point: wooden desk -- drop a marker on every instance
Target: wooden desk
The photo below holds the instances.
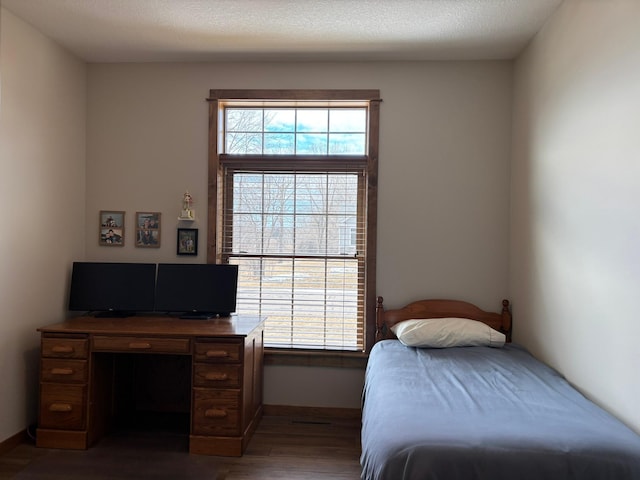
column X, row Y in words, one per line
column 77, row 377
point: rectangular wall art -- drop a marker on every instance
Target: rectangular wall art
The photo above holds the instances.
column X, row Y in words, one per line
column 187, row 241
column 148, row 229
column 111, row 228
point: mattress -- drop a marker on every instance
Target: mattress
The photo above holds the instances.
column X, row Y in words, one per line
column 487, row 414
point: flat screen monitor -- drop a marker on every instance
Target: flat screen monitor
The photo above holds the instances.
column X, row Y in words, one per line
column 112, row 289
column 196, row 290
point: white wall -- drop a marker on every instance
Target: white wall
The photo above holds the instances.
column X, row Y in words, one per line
column 443, row 178
column 42, row 192
column 575, row 224
column 444, row 155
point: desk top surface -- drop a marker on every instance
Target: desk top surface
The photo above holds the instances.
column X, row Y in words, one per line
column 235, row 325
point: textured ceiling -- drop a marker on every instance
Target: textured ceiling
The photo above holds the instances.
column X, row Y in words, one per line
column 315, row 30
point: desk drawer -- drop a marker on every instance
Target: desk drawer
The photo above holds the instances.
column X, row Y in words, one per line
column 218, row 352
column 56, row 347
column 63, row 371
column 62, row 406
column 102, row 343
column 216, row 376
column 215, row 412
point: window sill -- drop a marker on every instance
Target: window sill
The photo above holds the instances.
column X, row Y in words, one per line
column 315, row 358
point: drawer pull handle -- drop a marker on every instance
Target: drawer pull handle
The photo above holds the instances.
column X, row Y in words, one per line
column 62, row 371
column 215, row 413
column 216, row 376
column 62, row 349
column 217, row 354
column 60, row 407
column 139, row 345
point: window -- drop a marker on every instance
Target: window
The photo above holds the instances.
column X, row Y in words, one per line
column 292, row 203
column 295, row 131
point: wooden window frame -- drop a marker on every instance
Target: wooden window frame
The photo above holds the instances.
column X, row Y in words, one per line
column 319, row 97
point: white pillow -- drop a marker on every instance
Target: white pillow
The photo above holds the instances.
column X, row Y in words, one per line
column 447, row 332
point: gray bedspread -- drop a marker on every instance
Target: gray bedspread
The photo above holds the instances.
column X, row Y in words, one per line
column 486, row 414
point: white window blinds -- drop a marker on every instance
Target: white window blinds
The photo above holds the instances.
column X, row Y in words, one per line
column 299, row 241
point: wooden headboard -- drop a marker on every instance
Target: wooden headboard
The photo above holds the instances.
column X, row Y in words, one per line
column 440, row 309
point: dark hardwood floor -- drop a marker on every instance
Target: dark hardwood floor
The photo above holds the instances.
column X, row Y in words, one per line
column 283, row 448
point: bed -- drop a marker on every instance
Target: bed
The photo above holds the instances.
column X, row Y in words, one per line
column 444, row 411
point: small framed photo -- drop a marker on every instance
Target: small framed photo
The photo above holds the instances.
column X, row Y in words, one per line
column 111, row 228
column 148, row 229
column 187, row 241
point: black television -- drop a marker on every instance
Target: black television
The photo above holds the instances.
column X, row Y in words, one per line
column 107, row 289
column 199, row 291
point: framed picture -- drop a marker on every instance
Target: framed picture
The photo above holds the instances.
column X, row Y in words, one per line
column 187, row 241
column 148, row 229
column 111, row 228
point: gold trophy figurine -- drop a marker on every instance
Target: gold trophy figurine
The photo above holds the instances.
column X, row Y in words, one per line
column 187, row 212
